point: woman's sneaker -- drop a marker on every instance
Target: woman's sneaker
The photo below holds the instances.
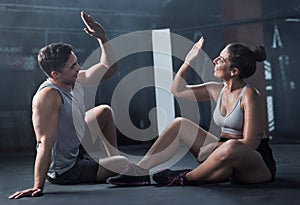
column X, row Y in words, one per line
column 132, row 176
column 172, row 178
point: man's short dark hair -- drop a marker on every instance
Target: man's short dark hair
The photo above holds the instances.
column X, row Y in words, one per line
column 53, row 57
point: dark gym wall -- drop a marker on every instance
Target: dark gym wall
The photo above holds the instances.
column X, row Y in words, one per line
column 27, row 25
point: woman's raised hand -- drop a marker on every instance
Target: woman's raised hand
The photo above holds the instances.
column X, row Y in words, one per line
column 194, row 52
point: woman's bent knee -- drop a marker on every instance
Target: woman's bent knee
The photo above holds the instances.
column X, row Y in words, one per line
column 230, row 150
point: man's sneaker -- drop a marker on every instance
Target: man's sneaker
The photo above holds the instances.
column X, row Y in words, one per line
column 132, row 176
column 172, row 178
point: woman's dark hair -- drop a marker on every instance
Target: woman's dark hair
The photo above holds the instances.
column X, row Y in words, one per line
column 53, row 57
column 243, row 58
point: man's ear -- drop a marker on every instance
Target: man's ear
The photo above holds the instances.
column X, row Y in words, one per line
column 54, row 74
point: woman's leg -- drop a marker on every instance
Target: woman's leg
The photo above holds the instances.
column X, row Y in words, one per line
column 233, row 160
column 181, row 130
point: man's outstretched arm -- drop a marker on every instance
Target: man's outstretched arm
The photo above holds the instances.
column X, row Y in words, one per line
column 107, row 65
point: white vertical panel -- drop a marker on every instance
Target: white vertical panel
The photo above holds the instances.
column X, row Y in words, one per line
column 163, row 75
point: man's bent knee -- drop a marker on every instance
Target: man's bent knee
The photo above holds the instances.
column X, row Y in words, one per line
column 104, row 109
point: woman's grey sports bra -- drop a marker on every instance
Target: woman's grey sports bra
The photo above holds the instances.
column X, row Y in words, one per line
column 232, row 122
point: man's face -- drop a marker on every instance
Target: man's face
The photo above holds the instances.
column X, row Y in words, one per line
column 69, row 72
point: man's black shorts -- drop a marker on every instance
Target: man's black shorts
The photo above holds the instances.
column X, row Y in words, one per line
column 84, row 171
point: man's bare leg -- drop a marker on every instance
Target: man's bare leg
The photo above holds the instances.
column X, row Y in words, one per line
column 100, row 121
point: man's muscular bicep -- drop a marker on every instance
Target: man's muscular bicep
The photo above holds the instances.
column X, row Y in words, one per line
column 45, row 114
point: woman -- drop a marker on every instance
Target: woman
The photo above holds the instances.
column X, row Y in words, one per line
column 241, row 153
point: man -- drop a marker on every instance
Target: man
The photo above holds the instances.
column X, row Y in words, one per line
column 60, row 121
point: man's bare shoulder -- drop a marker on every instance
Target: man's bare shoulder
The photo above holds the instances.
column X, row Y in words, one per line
column 47, row 97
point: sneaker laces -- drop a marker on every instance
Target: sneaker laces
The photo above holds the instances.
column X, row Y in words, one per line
column 177, row 180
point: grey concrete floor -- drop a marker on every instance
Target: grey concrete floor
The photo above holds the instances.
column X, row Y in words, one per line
column 16, row 172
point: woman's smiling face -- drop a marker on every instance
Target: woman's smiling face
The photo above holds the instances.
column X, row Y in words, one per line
column 222, row 65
